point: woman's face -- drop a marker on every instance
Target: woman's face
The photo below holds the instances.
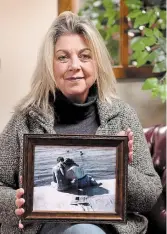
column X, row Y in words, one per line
column 74, row 67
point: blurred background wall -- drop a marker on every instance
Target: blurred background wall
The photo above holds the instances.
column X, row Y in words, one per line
column 150, row 110
column 23, row 25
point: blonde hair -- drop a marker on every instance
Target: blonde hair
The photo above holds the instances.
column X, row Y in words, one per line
column 44, row 84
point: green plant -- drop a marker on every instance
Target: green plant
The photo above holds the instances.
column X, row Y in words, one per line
column 150, row 46
column 148, row 43
column 105, row 15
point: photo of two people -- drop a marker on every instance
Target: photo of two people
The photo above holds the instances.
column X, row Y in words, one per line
column 68, row 174
column 74, row 178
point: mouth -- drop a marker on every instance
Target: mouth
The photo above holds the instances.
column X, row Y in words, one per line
column 74, row 78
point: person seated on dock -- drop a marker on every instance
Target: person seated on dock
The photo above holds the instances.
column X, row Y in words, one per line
column 77, row 175
column 59, row 175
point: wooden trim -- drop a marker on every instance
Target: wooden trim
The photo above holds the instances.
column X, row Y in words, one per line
column 123, row 45
column 65, row 5
column 135, row 72
column 75, row 6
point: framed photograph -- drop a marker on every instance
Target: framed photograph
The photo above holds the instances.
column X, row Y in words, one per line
column 75, row 178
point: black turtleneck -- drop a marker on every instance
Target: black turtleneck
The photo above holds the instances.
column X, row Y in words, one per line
column 74, row 118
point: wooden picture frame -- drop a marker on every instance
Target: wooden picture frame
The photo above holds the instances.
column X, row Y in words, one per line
column 91, row 189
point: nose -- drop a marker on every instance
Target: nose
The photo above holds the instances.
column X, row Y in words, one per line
column 75, row 64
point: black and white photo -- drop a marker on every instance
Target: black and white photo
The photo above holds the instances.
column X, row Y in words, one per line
column 75, row 176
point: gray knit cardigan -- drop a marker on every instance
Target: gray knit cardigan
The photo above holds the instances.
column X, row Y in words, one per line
column 144, row 185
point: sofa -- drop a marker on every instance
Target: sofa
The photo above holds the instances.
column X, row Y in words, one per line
column 156, row 139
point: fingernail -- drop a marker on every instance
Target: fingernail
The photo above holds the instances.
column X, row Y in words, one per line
column 22, row 200
column 22, row 210
column 21, row 190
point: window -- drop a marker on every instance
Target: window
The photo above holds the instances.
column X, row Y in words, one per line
column 121, row 67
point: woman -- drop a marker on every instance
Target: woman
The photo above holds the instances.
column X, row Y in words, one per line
column 74, row 91
column 76, row 174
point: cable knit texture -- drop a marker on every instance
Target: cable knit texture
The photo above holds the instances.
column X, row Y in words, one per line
column 144, row 184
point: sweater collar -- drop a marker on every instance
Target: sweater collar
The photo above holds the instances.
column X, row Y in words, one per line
column 68, row 112
column 106, row 113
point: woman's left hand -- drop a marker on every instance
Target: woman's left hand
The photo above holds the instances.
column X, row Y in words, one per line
column 128, row 133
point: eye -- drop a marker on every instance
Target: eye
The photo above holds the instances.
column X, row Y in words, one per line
column 85, row 57
column 63, row 58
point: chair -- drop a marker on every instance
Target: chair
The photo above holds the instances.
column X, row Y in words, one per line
column 156, row 139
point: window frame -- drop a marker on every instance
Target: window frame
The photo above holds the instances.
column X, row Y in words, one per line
column 124, row 70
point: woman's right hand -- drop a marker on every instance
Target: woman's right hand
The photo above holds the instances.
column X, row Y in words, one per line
column 19, row 202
